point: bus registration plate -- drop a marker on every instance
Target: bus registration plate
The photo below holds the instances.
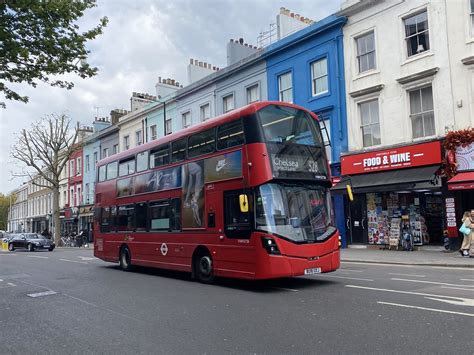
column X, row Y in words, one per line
column 316, row 270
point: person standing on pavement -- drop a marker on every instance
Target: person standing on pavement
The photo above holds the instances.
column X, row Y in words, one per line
column 467, row 243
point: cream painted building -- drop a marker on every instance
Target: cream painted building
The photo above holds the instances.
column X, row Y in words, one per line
column 409, row 70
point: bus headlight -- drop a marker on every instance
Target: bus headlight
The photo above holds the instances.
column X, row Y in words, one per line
column 270, row 246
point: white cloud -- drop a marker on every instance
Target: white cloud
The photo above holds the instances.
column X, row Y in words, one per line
column 143, row 40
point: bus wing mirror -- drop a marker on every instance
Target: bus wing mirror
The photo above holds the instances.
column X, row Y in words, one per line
column 349, row 192
column 244, row 203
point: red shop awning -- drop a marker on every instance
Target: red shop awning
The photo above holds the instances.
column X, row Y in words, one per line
column 462, row 181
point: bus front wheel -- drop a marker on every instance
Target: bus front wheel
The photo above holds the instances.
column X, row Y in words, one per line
column 125, row 259
column 203, row 268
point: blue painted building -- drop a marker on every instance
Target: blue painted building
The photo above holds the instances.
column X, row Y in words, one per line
column 307, row 68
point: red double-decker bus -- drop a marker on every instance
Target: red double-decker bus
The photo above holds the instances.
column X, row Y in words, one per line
column 243, row 195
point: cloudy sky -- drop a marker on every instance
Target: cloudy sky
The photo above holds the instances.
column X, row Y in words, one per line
column 144, row 39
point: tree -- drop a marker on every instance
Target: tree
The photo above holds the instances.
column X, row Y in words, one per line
column 5, row 202
column 40, row 39
column 46, row 147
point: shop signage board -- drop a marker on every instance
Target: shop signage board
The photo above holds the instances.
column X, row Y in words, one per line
column 465, row 157
column 451, row 217
column 462, row 186
column 394, row 158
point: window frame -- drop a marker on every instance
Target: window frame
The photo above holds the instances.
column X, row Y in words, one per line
column 184, row 118
column 315, row 78
column 201, row 116
column 138, row 137
column 360, row 55
column 225, row 99
column 147, row 160
column 408, row 37
column 369, row 125
column 421, row 113
column 248, row 90
column 126, row 142
column 107, row 171
column 126, row 160
column 153, row 132
column 185, row 140
column 157, row 149
column 290, row 88
column 168, row 130
column 154, row 204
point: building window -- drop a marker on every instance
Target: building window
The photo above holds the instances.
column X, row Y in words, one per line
column 71, row 168
column 228, row 102
column 319, row 76
column 370, row 124
column 78, row 166
column 86, row 195
column 205, row 112
column 417, row 33
column 422, row 112
column 115, row 149
column 153, row 132
column 168, row 126
column 472, row 18
column 126, row 142
column 186, row 119
column 95, row 160
column 253, row 94
column 79, row 196
column 285, row 88
column 138, row 137
column 87, row 164
column 105, row 153
column 366, row 52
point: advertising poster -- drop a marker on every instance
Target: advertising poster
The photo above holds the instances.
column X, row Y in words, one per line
column 465, row 157
column 223, row 167
column 125, row 187
column 193, row 194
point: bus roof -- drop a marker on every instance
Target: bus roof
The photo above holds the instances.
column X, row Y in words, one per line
column 212, row 122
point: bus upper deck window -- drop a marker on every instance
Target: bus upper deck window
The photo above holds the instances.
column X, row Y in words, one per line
column 160, row 156
column 178, row 150
column 230, row 135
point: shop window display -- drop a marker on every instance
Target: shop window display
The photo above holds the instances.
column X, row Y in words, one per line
column 393, row 216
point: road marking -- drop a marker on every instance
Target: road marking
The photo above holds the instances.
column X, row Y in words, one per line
column 37, row 256
column 74, row 261
column 413, row 275
column 426, row 309
column 426, row 295
column 379, row 264
column 345, row 270
column 465, row 302
column 458, row 288
column 344, row 277
column 467, row 280
column 430, row 282
column 11, row 284
column 83, row 258
column 460, row 268
column 1, row 280
column 41, row 294
column 285, row 289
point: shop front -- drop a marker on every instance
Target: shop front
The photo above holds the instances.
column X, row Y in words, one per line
column 86, row 220
column 398, row 196
column 461, row 173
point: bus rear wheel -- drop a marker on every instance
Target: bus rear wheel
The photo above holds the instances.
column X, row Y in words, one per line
column 125, row 259
column 203, row 268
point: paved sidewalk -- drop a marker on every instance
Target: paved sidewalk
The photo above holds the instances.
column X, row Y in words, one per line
column 432, row 257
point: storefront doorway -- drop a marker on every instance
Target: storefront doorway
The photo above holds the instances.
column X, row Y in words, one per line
column 357, row 220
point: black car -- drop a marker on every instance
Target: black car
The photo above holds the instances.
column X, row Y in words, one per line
column 30, row 241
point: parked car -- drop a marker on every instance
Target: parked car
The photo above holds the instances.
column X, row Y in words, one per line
column 30, row 241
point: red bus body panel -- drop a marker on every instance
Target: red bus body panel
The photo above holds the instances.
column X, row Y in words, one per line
column 238, row 258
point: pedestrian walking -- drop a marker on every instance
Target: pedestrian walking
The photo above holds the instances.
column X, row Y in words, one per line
column 467, row 229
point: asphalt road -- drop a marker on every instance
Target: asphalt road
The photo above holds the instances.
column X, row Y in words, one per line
column 84, row 305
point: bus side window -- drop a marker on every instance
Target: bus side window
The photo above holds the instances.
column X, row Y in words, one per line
column 159, row 215
column 202, row 143
column 141, row 216
column 175, row 214
column 230, row 135
column 127, row 167
column 178, row 150
column 159, row 156
column 237, row 223
column 125, row 218
column 105, row 219
column 142, row 161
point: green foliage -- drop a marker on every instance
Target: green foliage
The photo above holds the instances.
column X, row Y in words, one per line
column 40, row 39
column 4, row 206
